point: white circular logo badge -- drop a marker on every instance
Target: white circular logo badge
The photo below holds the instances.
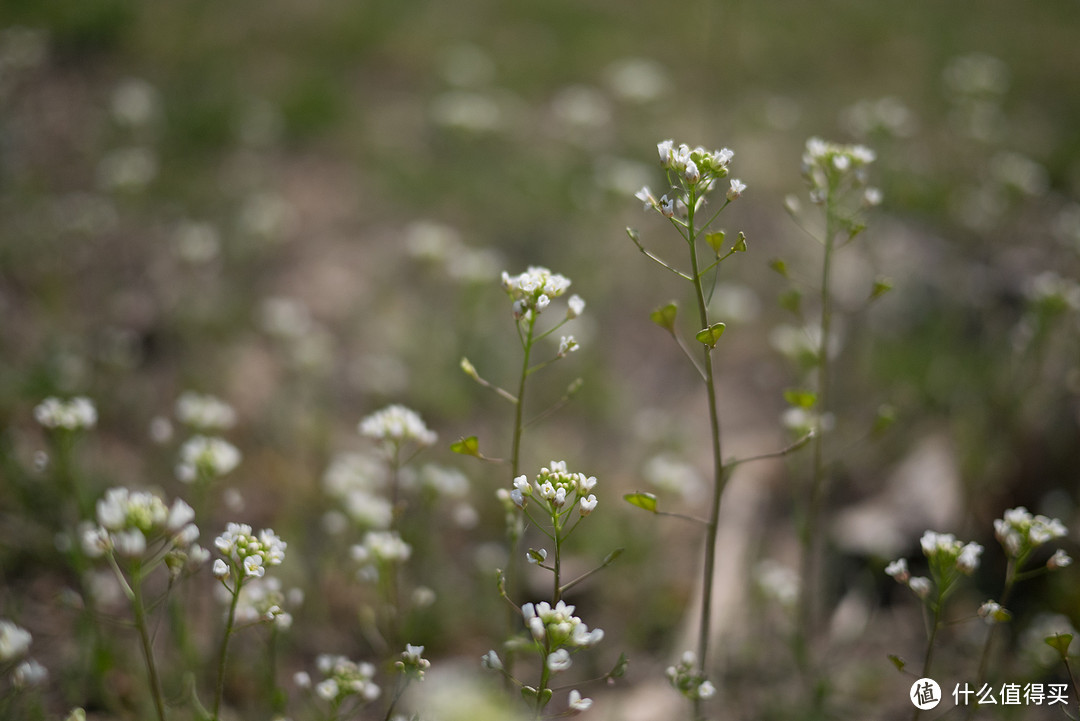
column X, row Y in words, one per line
column 925, row 694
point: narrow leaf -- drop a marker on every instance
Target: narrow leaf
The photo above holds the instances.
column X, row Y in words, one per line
column 664, row 316
column 709, row 336
column 642, row 500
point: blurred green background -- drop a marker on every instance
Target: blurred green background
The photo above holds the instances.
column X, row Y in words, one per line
column 304, row 208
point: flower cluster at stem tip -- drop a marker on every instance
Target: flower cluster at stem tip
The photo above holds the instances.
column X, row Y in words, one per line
column 558, row 488
column 692, row 172
column 206, row 457
column 832, row 168
column 342, row 678
column 533, row 291
column 130, row 521
column 377, row 550
column 1019, row 533
column 397, row 425
column 245, row 553
column 557, row 626
column 74, row 414
column 685, row 678
column 14, row 644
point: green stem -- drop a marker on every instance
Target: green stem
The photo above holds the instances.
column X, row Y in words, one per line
column 223, row 651
column 929, row 656
column 147, row 644
column 810, row 536
column 705, row 626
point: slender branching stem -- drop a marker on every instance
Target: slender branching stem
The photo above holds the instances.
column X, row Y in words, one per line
column 147, row 644
column 223, row 650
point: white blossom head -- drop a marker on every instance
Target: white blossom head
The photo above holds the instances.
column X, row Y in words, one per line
column 533, row 290
column 398, row 425
column 204, row 458
column 14, row 641
column 74, row 414
column 204, row 412
column 247, row 555
column 129, row 522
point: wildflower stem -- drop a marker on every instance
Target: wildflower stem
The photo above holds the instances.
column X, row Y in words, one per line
column 705, row 627
column 223, row 651
column 147, row 644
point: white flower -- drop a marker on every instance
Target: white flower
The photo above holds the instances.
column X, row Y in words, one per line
column 29, row 673
column 920, row 585
column 871, row 197
column 536, row 556
column 666, row 206
column 131, row 543
column 575, row 306
column 14, row 640
column 586, row 505
column 567, row 344
column 180, row 515
column 736, row 189
column 302, row 679
column 706, row 690
column 253, row 566
column 898, row 569
column 646, row 197
column 993, row 612
column 665, row 150
column 1060, row 559
column 220, row 569
column 491, row 661
column 327, row 690
column 559, row 660
column 577, row 704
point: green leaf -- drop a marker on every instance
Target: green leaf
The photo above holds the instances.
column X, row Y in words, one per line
column 1060, row 643
column 610, row 558
column 664, row 316
column 886, row 416
column 800, row 398
column 740, row 243
column 898, row 662
column 620, row 667
column 779, row 266
column 882, row 285
column 791, row 301
column 716, row 240
column 466, row 446
column 642, row 500
column 709, row 336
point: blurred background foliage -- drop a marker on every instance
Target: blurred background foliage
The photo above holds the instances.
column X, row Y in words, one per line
column 304, row 208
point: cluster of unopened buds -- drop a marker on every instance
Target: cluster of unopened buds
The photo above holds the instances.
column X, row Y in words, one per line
column 412, row 662
column 557, row 626
column 245, row 554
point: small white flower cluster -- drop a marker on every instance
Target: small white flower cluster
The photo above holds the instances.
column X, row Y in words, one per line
column 342, row 678
column 355, row 480
column 947, row 557
column 14, row 644
column 398, row 425
column 412, row 662
column 993, row 612
column 262, row 600
column 686, row 679
column 557, row 627
column 73, row 414
column 130, row 521
column 206, row 458
column 533, row 291
column 1020, row 532
column 945, row 550
column 379, row 549
column 559, row 488
column 245, row 554
column 697, row 170
column 829, row 167
column 204, row 412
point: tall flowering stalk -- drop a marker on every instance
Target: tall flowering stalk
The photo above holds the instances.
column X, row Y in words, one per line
column 693, row 175
column 136, row 532
column 556, row 501
column 245, row 557
column 836, row 177
column 531, row 293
